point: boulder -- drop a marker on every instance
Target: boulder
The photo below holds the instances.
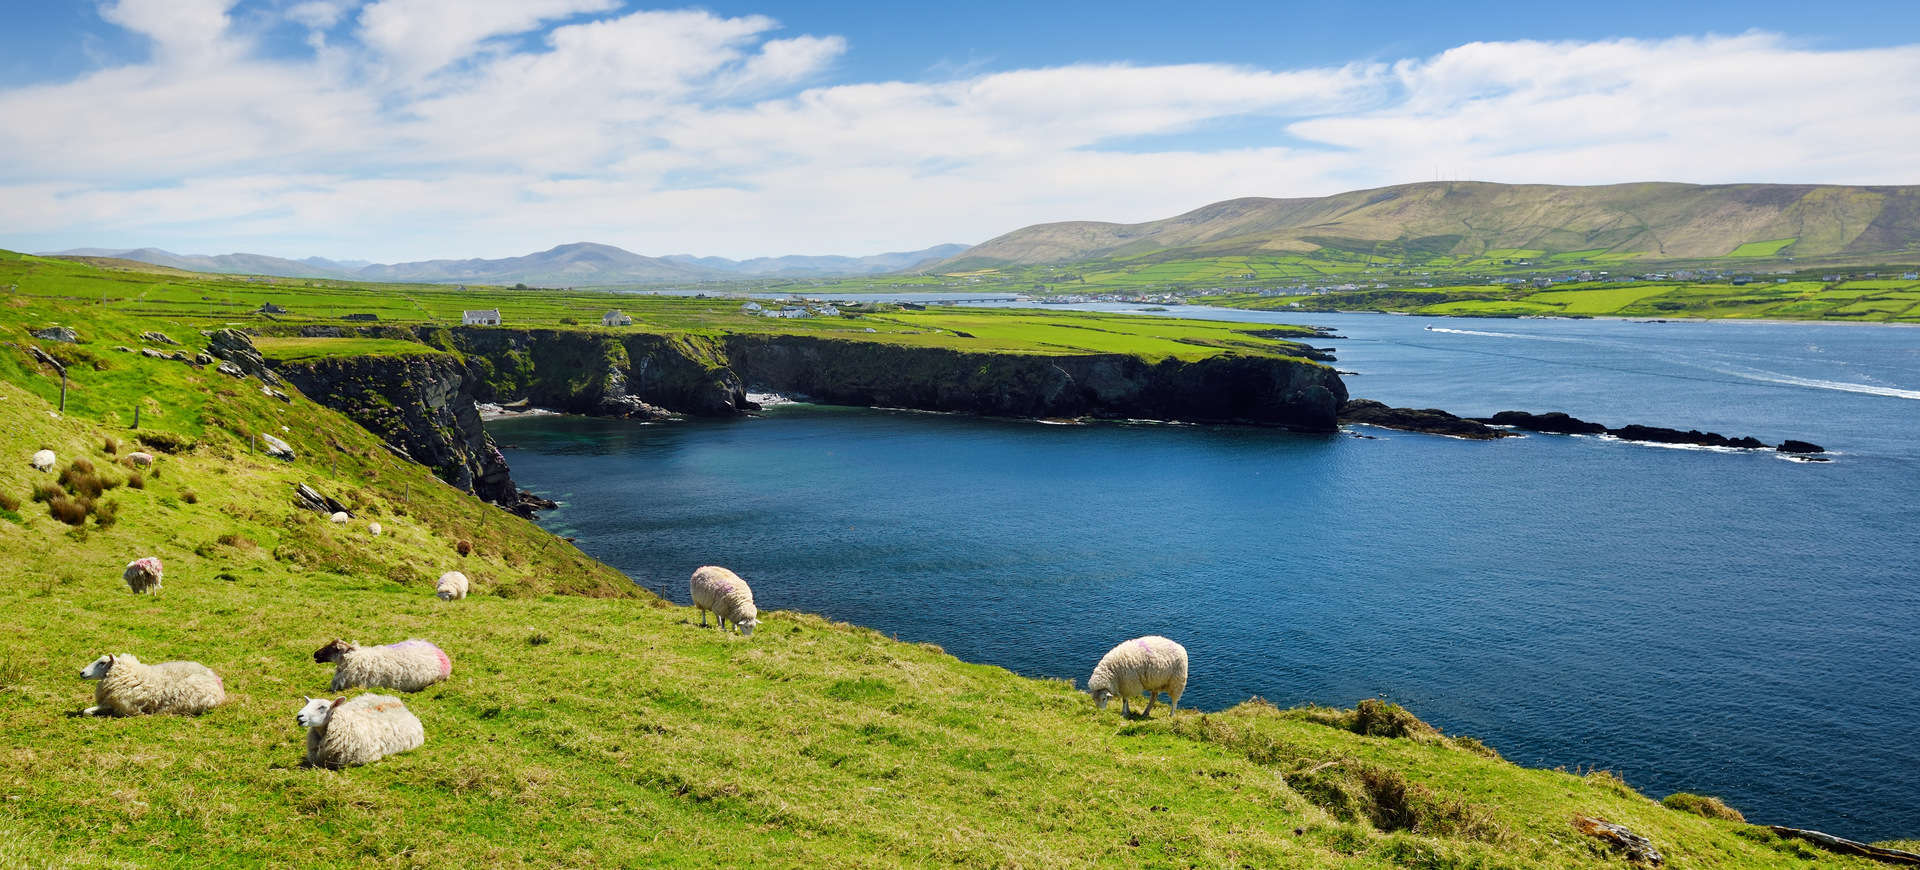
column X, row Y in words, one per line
column 62, row 334
column 1792, row 446
column 233, row 346
column 1552, row 421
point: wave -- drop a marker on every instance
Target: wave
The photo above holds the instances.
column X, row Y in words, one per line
column 1511, row 335
column 1841, row 386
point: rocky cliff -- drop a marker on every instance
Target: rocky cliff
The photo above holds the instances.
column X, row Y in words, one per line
column 646, row 374
column 420, row 405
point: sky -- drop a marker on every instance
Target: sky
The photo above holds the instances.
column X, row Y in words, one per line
column 397, row 130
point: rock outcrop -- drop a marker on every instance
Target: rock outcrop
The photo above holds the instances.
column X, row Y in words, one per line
column 236, row 348
column 62, row 334
column 421, row 405
column 1432, row 421
column 1552, row 421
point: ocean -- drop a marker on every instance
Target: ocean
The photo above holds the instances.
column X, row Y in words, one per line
column 1731, row 623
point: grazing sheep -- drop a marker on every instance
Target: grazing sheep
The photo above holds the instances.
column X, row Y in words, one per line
column 723, row 592
column 43, row 460
column 361, row 731
column 409, row 666
column 1142, row 666
column 452, row 586
column 373, row 529
column 339, row 518
column 129, row 688
column 140, row 459
column 143, row 575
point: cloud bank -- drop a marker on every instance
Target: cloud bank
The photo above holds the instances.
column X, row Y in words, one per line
column 410, row 129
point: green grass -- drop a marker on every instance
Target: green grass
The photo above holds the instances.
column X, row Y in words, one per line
column 295, row 349
column 1761, row 249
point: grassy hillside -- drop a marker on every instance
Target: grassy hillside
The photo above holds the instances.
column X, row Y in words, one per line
column 603, row 728
column 1432, row 221
column 1867, row 301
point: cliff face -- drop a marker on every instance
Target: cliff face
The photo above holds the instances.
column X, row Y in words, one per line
column 646, row 374
column 1226, row 389
column 422, row 405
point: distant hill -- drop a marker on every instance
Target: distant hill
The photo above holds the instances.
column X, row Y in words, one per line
column 1434, row 220
column 582, row 264
column 800, row 266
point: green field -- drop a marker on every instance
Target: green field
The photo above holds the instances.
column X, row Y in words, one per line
column 296, row 348
column 589, row 724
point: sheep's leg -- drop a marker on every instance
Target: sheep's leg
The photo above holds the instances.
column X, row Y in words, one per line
column 1125, row 711
column 703, row 617
column 1151, row 697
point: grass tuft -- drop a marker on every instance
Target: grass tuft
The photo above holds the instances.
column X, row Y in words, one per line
column 110, row 446
column 136, row 480
column 1702, row 805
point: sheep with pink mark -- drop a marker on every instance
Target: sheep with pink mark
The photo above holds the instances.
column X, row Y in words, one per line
column 129, row 688
column 723, row 592
column 143, row 575
column 408, row 666
column 1142, row 666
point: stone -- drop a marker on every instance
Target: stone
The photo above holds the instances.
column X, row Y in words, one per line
column 62, row 334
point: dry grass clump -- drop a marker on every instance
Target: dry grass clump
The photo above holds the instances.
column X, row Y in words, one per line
column 111, row 446
column 1702, row 805
column 136, row 481
column 72, row 511
column 166, row 442
column 106, row 513
column 188, row 496
column 47, row 491
column 8, row 502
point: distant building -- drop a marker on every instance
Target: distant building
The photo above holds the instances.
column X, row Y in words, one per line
column 270, row 308
column 487, row 317
column 615, row 318
column 1910, row 276
column 751, row 308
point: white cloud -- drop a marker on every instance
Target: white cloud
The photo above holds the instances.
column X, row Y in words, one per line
column 489, row 131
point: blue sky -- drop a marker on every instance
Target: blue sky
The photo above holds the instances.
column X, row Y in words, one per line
column 409, row 129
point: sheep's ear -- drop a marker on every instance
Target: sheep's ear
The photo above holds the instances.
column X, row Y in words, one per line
column 340, row 700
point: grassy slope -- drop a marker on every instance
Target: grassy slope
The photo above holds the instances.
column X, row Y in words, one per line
column 608, row 731
column 1866, row 301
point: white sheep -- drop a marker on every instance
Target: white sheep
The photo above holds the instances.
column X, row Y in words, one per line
column 723, row 592
column 339, row 518
column 1142, row 666
column 361, row 731
column 129, row 688
column 373, row 529
column 43, row 460
column 140, row 459
column 143, row 575
column 409, row 666
column 452, row 586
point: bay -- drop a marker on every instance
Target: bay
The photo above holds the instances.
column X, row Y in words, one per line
column 1730, row 623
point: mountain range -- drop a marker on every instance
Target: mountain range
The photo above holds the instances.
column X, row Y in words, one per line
column 582, row 264
column 1434, row 220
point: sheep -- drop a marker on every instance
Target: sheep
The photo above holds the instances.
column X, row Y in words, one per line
column 339, row 518
column 1142, row 666
column 409, row 666
column 723, row 592
column 361, row 731
column 143, row 575
column 452, row 586
column 140, row 459
column 129, row 688
column 373, row 529
column 43, row 460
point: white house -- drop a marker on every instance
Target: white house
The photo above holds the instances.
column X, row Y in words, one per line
column 751, row 308
column 487, row 317
column 615, row 318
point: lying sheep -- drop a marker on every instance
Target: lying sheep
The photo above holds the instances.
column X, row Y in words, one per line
column 143, row 575
column 43, row 460
column 1142, row 666
column 723, row 592
column 361, row 731
column 373, row 529
column 452, row 586
column 129, row 688
column 140, row 459
column 409, row 666
column 339, row 518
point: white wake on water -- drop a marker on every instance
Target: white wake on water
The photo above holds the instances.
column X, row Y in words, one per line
column 1842, row 386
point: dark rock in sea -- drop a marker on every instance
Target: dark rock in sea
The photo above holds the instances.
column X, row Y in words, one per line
column 527, row 503
column 1749, row 443
column 1659, row 435
column 1552, row 421
column 1792, row 446
column 1430, row 420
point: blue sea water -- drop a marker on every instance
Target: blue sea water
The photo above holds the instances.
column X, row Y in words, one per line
column 1729, row 623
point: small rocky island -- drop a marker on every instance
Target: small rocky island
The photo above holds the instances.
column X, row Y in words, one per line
column 1434, row 421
